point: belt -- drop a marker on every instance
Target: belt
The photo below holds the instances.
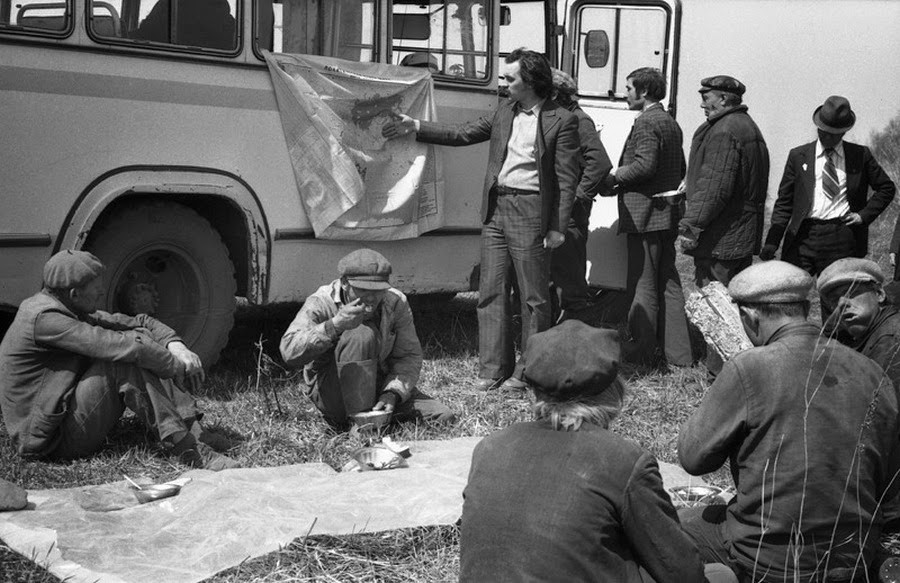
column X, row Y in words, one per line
column 837, row 221
column 507, row 191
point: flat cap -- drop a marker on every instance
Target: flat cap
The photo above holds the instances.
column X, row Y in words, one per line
column 366, row 269
column 848, row 270
column 722, row 83
column 69, row 269
column 572, row 360
column 771, row 282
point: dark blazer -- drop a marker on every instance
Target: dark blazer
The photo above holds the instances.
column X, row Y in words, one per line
column 795, row 194
column 652, row 162
column 557, row 156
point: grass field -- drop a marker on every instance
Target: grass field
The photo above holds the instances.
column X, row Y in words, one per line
column 254, row 400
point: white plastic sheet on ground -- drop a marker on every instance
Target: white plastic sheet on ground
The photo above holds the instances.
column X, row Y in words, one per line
column 220, row 519
column 353, row 183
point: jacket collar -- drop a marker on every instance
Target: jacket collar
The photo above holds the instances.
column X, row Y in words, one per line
column 803, row 328
column 719, row 115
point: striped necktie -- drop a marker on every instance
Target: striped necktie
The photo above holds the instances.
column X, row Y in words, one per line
column 830, row 183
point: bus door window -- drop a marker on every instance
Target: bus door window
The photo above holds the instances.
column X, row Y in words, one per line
column 336, row 28
column 522, row 25
column 631, row 37
column 450, row 37
column 37, row 16
column 204, row 24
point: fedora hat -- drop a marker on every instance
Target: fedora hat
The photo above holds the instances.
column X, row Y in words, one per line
column 834, row 116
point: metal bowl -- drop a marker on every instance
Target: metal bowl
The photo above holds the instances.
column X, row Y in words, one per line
column 690, row 496
column 155, row 492
column 378, row 458
column 378, row 419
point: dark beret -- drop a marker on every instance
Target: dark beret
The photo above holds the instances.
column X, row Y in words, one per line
column 722, row 83
column 572, row 360
column 849, row 270
column 366, row 269
column 69, row 269
column 771, row 282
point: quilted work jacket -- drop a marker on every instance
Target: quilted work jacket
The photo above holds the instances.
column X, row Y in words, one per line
column 310, row 339
column 727, row 179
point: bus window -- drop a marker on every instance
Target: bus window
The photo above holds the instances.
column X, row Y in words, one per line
column 205, row 24
column 636, row 38
column 39, row 16
column 342, row 28
column 451, row 37
column 520, row 30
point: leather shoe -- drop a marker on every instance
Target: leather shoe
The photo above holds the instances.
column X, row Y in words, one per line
column 514, row 384
column 489, row 384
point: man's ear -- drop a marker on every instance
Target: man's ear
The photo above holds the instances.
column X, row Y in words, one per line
column 880, row 293
column 750, row 319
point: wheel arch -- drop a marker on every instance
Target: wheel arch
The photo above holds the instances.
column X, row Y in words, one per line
column 223, row 199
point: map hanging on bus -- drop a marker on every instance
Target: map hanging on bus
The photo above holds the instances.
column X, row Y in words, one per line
column 355, row 184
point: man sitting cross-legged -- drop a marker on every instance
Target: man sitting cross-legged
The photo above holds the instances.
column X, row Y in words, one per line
column 562, row 498
column 809, row 429
column 69, row 370
column 357, row 344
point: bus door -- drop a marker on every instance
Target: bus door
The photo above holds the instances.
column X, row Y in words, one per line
column 607, row 40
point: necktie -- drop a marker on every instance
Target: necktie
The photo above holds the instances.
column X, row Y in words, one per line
column 829, row 176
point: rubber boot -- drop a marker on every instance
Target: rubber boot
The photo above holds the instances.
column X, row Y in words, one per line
column 358, row 384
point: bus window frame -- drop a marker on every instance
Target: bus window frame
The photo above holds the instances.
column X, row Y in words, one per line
column 14, row 29
column 257, row 51
column 168, row 47
column 577, row 40
column 446, row 78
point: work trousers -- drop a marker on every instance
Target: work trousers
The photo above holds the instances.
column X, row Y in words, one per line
column 656, row 317
column 350, row 382
column 568, row 263
column 512, row 236
column 709, row 269
column 818, row 244
column 101, row 397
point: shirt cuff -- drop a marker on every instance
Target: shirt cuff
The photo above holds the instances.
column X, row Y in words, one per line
column 418, row 124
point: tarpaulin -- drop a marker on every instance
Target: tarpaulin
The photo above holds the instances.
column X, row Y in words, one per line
column 355, row 184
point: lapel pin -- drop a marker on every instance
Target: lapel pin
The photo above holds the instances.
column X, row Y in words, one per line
column 804, row 166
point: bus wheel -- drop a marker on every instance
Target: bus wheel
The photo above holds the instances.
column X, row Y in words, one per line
column 165, row 260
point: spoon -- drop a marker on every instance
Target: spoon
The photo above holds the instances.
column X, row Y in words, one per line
column 132, row 482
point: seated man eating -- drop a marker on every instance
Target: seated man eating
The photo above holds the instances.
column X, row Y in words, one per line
column 357, row 344
column 808, row 428
column 68, row 371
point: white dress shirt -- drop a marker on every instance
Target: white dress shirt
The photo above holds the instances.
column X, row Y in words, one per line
column 825, row 208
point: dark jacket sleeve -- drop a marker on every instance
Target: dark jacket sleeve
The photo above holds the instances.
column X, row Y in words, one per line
column 116, row 343
column 714, row 184
column 882, row 186
column 473, row 132
column 567, row 170
column 646, row 155
column 651, row 526
column 784, row 204
column 595, row 160
column 712, row 432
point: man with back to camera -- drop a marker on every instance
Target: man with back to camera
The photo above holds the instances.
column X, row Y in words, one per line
column 532, row 176
column 568, row 262
column 68, row 371
column 650, row 206
column 809, row 429
column 563, row 498
column 823, row 210
column 357, row 343
column 726, row 185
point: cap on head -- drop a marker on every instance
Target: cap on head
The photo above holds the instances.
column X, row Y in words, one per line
column 365, row 269
column 848, row 270
column 722, row 83
column 420, row 59
column 771, row 282
column 834, row 116
column 563, row 82
column 69, row 269
column 572, row 360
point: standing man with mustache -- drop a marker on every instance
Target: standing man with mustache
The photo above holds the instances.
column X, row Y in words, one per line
column 529, row 188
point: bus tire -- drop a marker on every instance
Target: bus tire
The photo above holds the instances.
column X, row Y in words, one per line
column 165, row 260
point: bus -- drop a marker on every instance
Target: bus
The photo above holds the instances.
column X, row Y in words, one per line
column 147, row 131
